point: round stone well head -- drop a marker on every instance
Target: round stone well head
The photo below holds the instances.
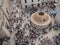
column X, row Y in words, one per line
column 40, row 20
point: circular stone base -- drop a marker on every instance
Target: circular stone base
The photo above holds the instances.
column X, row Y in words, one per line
column 40, row 21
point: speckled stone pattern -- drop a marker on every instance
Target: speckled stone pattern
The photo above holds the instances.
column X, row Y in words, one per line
column 26, row 34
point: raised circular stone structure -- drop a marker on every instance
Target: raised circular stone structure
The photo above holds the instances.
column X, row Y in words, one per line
column 40, row 20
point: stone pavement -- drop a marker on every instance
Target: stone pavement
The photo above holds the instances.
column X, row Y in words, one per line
column 25, row 21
